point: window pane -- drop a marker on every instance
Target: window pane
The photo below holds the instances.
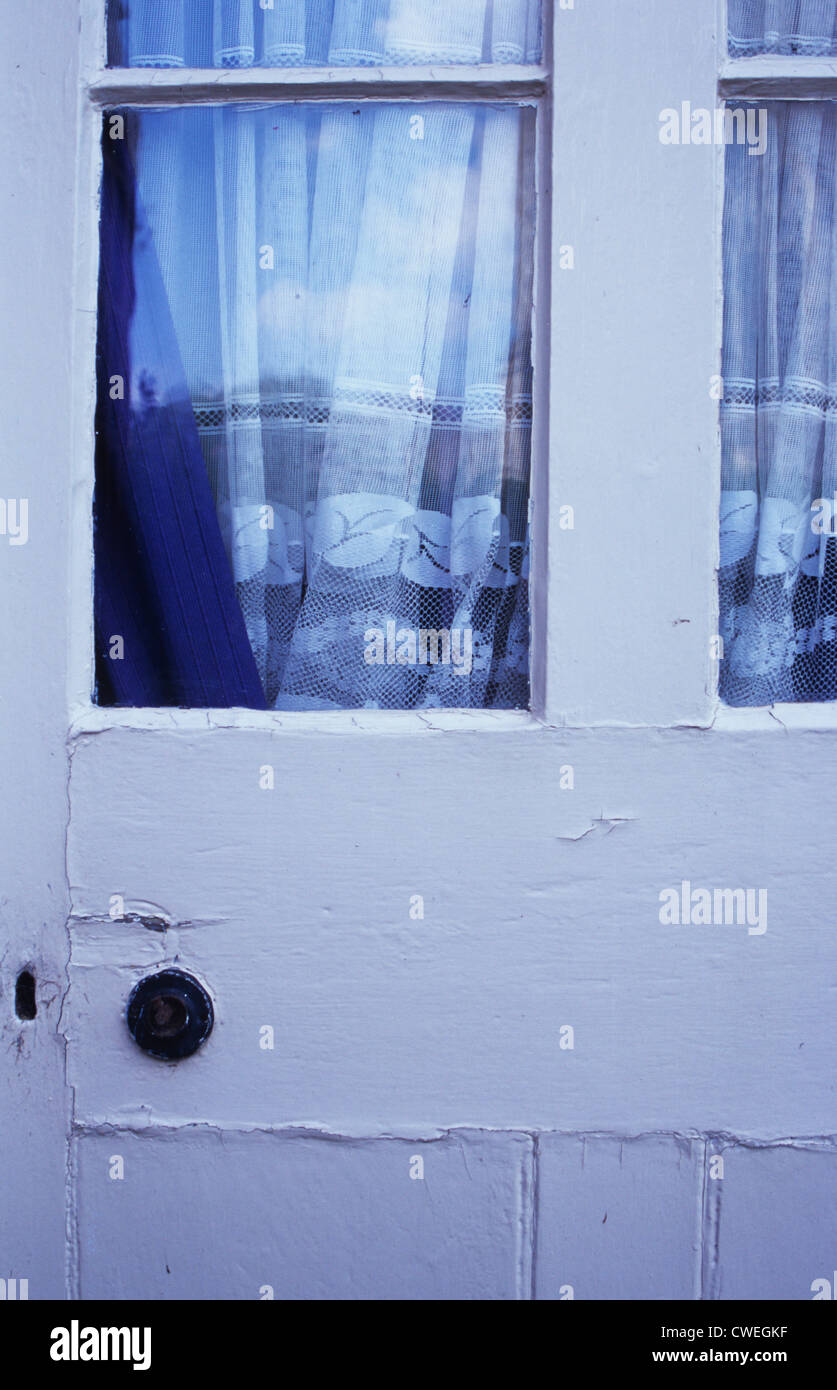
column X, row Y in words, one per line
column 778, row 578
column 782, row 26
column 343, row 297
column 296, row 33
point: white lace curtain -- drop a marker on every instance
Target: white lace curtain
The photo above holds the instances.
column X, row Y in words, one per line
column 779, row 415
column 351, row 289
column 293, row 33
column 782, row 26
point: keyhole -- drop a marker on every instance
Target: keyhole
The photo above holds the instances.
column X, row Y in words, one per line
column 167, row 1016
column 25, row 1003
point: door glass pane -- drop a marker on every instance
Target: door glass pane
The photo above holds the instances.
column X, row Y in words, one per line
column 778, row 576
column 803, row 27
column 333, row 33
column 341, row 297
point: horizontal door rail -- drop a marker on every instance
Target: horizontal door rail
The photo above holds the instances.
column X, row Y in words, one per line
column 170, row 86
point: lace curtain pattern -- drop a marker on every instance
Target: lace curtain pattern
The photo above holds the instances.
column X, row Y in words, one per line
column 349, row 289
column 333, row 33
column 778, row 577
column 803, row 27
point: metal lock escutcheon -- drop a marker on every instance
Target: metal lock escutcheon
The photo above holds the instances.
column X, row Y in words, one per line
column 169, row 1015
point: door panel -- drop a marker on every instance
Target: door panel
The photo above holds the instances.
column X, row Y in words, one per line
column 541, row 909
column 304, row 1218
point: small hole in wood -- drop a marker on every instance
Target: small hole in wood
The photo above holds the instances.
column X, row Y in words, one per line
column 25, row 1003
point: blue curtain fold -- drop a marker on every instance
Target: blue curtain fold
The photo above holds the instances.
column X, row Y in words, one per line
column 163, row 583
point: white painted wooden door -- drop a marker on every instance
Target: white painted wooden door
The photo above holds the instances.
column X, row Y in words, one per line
column 438, row 937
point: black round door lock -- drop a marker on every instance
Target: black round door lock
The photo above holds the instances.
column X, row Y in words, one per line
column 169, row 1015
